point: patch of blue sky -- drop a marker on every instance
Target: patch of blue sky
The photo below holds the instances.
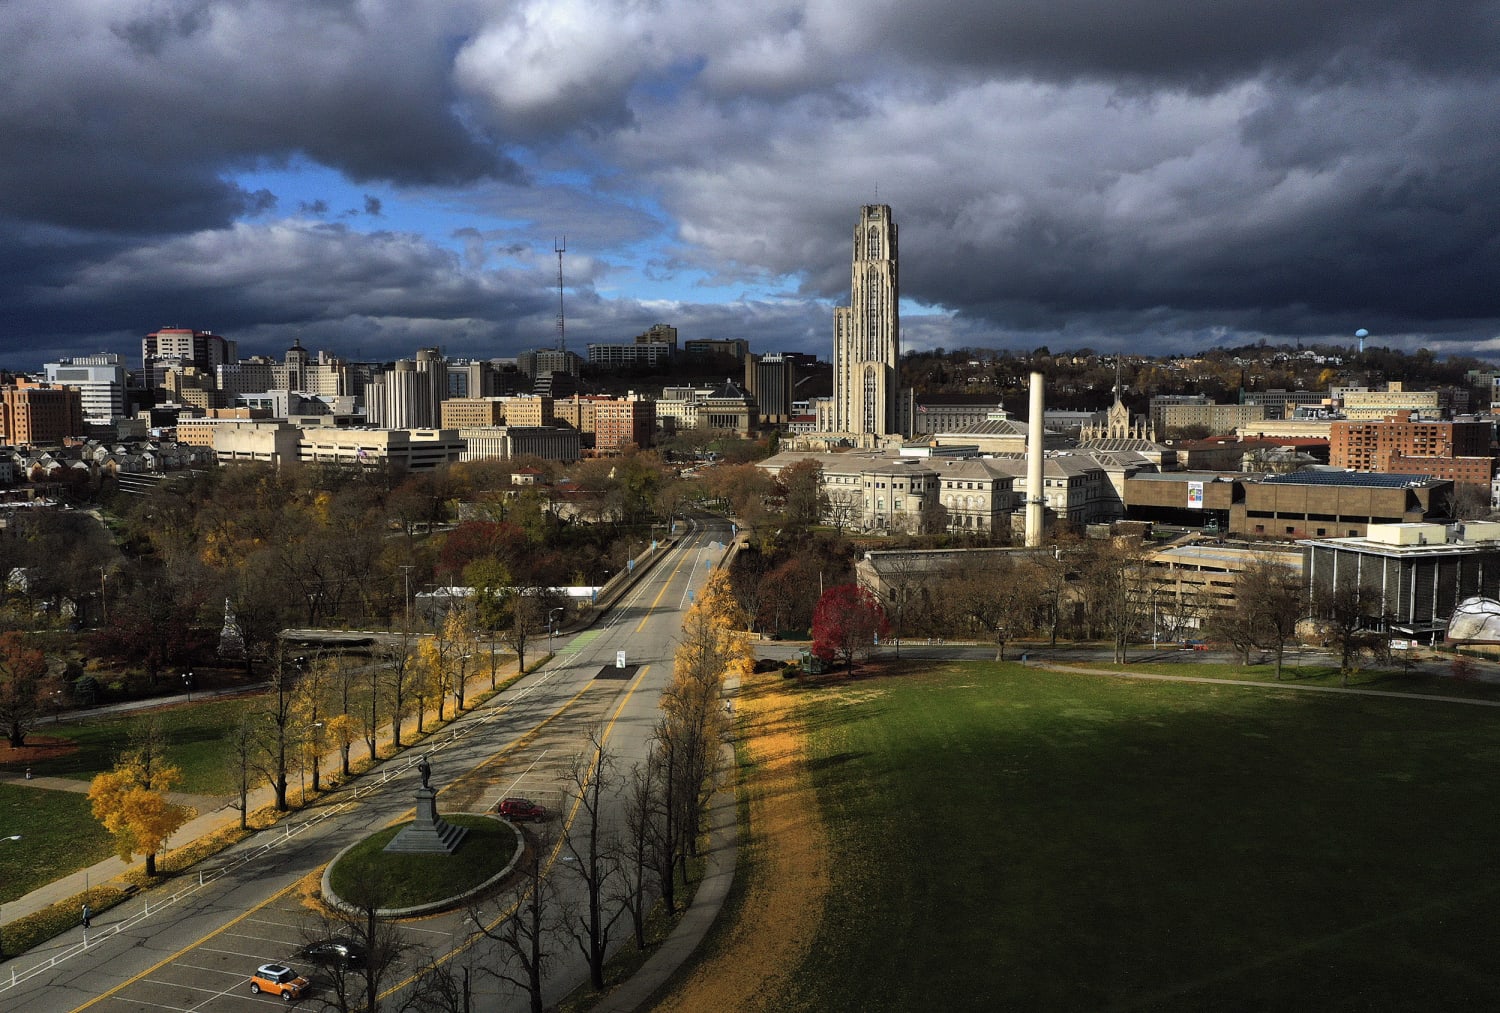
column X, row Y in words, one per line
column 308, row 190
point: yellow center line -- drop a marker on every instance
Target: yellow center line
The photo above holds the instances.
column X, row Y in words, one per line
column 475, row 936
column 168, row 959
column 664, row 585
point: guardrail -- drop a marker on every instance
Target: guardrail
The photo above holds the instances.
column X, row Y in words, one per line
column 278, row 836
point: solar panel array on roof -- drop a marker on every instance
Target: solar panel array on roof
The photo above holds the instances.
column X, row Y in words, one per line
column 1350, row 478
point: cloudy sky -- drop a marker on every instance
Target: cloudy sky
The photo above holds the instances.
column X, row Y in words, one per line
column 381, row 175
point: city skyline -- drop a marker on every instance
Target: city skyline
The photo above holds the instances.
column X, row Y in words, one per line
column 375, row 178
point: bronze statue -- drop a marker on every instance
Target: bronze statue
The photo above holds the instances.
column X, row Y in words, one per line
column 425, row 769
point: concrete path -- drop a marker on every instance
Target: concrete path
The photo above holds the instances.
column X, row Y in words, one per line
column 214, row 814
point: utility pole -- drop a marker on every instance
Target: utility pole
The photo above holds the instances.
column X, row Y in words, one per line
column 406, row 569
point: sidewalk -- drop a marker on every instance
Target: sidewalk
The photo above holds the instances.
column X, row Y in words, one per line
column 214, row 814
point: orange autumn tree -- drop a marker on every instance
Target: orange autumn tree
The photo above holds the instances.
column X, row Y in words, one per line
column 713, row 648
column 131, row 799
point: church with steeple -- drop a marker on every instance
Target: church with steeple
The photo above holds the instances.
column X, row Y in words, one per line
column 1118, row 424
column 1125, row 437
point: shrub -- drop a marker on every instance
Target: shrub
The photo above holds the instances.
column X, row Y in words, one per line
column 85, row 691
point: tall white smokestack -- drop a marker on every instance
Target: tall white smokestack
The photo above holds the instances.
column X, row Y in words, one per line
column 1034, row 500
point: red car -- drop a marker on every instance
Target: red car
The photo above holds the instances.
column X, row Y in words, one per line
column 516, row 808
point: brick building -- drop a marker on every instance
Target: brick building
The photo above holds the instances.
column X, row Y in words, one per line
column 32, row 413
column 623, row 422
column 1458, row 451
column 472, row 412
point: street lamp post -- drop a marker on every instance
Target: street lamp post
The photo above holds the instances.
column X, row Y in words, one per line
column 12, row 837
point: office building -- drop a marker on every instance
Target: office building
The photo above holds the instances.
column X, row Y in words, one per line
column 101, row 381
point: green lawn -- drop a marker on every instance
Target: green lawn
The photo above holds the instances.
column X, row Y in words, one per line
column 58, row 836
column 1012, row 839
column 196, row 733
column 1391, row 680
column 423, row 879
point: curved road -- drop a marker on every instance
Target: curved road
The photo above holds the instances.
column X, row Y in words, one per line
column 197, row 954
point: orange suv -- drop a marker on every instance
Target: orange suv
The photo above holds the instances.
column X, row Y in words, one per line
column 278, row 979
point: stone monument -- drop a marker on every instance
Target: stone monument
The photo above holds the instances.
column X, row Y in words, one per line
column 428, row 834
column 231, row 638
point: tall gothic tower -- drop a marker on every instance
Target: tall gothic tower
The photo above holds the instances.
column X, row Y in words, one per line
column 865, row 332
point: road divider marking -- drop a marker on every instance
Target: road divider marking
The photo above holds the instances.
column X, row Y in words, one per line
column 193, row 946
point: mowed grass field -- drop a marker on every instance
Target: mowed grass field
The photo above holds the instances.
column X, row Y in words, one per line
column 1006, row 838
column 196, row 734
column 58, row 835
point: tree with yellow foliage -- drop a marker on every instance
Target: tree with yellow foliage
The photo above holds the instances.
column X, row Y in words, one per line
column 713, row 648
column 131, row 799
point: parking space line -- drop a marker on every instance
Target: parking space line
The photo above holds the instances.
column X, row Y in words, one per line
column 236, row 953
column 216, row 995
column 158, row 1005
column 191, row 988
column 168, row 959
column 213, row 970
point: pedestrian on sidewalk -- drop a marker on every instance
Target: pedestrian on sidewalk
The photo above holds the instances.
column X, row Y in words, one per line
column 28, row 773
column 87, row 915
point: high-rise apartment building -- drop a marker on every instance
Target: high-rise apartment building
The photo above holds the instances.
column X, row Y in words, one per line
column 409, row 395
column 866, row 333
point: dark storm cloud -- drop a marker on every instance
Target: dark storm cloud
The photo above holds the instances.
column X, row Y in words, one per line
column 1150, row 174
column 125, row 122
column 1187, row 43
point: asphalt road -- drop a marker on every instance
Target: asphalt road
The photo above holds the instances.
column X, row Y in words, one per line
column 197, row 953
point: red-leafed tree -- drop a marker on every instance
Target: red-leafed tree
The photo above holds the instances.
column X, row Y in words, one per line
column 22, row 671
column 846, row 622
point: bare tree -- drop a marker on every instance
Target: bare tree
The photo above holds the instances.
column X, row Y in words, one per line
column 843, row 508
column 1115, row 584
column 401, row 681
column 1349, row 613
column 243, row 746
column 987, row 590
column 590, row 780
column 523, row 936
column 379, row 942
column 276, row 731
column 902, row 575
column 665, row 820
column 523, row 619
column 634, row 859
column 1270, row 594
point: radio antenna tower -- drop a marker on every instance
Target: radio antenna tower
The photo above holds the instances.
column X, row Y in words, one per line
column 560, row 247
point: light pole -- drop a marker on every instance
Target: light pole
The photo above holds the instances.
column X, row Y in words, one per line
column 12, row 837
